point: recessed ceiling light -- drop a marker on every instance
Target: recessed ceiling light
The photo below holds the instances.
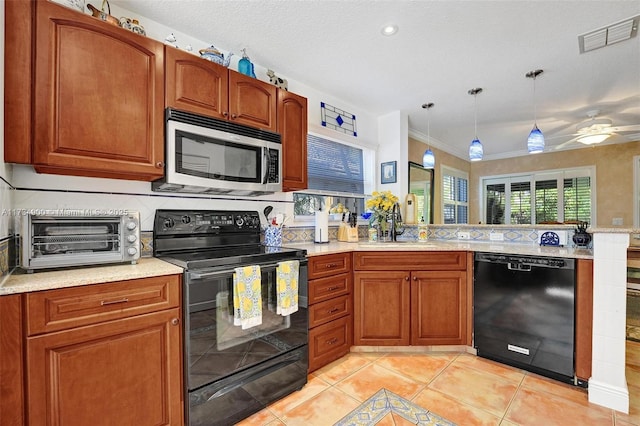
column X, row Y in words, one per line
column 389, row 30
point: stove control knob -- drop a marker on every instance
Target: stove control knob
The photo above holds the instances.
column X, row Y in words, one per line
column 132, row 238
column 168, row 222
column 131, row 226
column 185, row 219
column 239, row 221
column 131, row 251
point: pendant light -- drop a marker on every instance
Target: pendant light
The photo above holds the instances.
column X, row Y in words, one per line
column 428, row 159
column 535, row 141
column 475, row 149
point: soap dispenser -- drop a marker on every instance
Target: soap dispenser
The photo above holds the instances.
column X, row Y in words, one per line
column 423, row 230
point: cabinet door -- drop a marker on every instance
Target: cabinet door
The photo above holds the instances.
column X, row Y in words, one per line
column 196, row 85
column 292, row 126
column 381, row 308
column 252, row 102
column 125, row 372
column 99, row 98
column 438, row 308
column 11, row 361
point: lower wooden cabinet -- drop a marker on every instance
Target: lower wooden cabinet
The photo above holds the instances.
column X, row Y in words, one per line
column 104, row 371
column 428, row 304
column 330, row 308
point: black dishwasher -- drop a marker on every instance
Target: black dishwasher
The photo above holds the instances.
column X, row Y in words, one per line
column 524, row 312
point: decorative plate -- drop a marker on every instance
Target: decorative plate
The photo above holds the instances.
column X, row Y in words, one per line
column 549, row 239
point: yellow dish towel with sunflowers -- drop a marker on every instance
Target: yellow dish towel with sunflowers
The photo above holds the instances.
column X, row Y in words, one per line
column 287, row 287
column 247, row 296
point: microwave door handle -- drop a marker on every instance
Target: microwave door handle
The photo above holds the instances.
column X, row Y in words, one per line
column 265, row 164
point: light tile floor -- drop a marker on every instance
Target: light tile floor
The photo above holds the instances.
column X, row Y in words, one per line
column 460, row 387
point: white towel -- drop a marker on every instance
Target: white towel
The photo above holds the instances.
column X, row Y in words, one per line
column 287, row 287
column 247, row 296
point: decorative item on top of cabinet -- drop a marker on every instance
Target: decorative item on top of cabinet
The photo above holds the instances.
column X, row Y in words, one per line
column 214, row 55
column 412, row 298
column 102, row 15
column 245, row 66
column 330, row 307
column 204, row 87
column 118, row 342
column 292, row 126
column 80, row 125
column 280, row 83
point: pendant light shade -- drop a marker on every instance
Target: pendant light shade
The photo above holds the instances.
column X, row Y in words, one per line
column 475, row 149
column 535, row 141
column 428, row 159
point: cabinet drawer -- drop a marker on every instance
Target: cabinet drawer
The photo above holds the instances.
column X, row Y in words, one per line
column 329, row 342
column 326, row 311
column 410, row 260
column 54, row 310
column 327, row 288
column 329, row 264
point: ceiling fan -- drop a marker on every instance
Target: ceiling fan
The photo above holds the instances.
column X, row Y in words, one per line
column 595, row 130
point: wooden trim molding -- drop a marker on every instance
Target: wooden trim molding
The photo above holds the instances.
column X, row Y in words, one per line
column 584, row 317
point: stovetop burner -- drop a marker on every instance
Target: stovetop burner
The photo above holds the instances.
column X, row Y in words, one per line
column 210, row 238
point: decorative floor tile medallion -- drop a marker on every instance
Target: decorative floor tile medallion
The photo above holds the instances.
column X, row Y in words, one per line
column 384, row 402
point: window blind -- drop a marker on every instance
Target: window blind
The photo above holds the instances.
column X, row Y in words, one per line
column 333, row 166
column 496, row 203
column 546, row 201
column 577, row 199
column 520, row 202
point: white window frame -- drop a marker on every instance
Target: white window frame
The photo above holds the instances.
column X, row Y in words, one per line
column 558, row 174
column 450, row 171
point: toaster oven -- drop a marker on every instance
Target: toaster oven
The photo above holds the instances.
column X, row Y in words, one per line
column 54, row 239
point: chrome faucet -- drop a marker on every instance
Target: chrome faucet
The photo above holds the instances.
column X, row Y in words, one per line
column 394, row 211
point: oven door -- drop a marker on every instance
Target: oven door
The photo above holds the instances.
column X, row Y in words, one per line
column 215, row 348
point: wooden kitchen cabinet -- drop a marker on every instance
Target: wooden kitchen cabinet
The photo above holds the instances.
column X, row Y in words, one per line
column 105, row 354
column 330, row 308
column 204, row 87
column 97, row 100
column 292, row 126
column 11, row 361
column 411, row 298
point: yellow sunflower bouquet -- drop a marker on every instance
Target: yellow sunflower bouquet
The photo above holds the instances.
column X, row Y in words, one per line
column 381, row 206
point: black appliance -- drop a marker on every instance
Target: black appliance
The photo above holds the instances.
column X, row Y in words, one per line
column 524, row 312
column 231, row 373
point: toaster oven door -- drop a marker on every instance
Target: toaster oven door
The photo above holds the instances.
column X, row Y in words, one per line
column 50, row 242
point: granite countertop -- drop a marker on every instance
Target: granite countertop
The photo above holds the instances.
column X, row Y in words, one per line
column 22, row 282
column 443, row 245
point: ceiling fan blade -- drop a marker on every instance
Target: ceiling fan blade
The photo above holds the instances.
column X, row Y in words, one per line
column 630, row 128
column 562, row 136
column 562, row 145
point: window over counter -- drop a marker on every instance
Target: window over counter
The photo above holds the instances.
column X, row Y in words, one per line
column 340, row 174
column 455, row 196
column 553, row 196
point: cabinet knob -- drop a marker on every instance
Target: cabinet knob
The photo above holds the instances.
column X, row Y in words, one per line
column 415, row 278
column 175, row 321
column 160, row 164
column 233, row 116
column 225, row 113
column 406, row 278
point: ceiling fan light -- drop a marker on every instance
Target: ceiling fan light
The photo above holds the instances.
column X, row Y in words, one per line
column 475, row 150
column 593, row 139
column 428, row 159
column 535, row 142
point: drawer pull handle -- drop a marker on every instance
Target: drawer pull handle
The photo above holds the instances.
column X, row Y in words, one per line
column 333, row 288
column 331, row 265
column 331, row 311
column 332, row 341
column 113, row 302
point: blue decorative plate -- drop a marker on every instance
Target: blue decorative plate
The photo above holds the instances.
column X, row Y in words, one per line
column 549, row 239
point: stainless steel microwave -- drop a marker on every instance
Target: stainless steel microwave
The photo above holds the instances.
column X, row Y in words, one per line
column 61, row 238
column 207, row 155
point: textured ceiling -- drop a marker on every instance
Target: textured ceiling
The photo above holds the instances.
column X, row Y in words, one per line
column 442, row 49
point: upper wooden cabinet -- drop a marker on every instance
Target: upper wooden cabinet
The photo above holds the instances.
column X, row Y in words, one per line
column 197, row 85
column 97, row 96
column 292, row 125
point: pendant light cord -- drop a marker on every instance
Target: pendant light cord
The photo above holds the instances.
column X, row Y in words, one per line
column 535, row 109
column 475, row 121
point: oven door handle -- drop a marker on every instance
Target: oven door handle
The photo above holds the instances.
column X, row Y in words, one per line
column 265, row 164
column 205, row 275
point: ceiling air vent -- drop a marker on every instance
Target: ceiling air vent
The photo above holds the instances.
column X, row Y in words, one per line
column 614, row 33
